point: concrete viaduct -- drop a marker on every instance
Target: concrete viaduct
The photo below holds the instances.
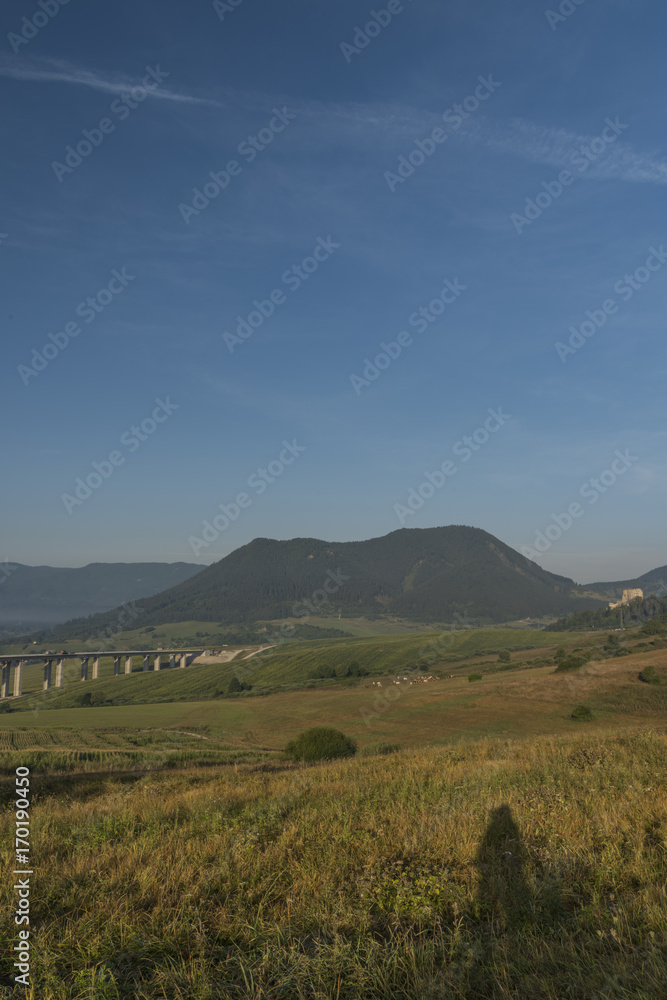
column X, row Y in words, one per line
column 16, row 664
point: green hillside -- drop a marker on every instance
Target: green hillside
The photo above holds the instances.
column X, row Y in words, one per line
column 424, row 575
column 291, row 666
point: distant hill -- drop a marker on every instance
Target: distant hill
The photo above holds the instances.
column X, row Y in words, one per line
column 36, row 595
column 653, row 582
column 429, row 575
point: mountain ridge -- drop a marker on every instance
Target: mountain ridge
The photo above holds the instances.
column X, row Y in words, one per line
column 445, row 574
column 35, row 595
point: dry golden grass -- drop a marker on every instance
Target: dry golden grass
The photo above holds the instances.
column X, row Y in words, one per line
column 496, row 869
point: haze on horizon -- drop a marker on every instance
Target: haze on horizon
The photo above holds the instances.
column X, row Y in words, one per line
column 473, row 197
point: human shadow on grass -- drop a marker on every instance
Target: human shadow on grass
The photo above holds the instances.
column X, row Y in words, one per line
column 507, row 895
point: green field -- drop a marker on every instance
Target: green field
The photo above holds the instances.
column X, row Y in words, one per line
column 518, row 702
column 293, row 666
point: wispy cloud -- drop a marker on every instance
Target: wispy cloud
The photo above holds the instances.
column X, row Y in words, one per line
column 552, row 146
column 556, row 146
column 57, row 71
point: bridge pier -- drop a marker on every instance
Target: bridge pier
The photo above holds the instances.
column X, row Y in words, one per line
column 156, row 662
column 96, row 668
column 172, row 661
column 184, row 661
column 116, row 666
column 84, row 668
column 60, row 673
column 147, row 662
column 18, row 678
column 6, row 670
column 128, row 664
column 46, row 686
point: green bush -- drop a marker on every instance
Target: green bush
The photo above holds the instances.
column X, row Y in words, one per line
column 504, row 656
column 649, row 675
column 322, row 673
column 569, row 663
column 474, row 677
column 652, row 627
column 582, row 713
column 320, row 743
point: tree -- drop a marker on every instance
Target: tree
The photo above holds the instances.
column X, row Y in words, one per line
column 235, row 686
column 504, row 656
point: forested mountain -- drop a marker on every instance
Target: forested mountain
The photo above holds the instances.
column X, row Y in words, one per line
column 431, row 574
column 653, row 582
column 31, row 595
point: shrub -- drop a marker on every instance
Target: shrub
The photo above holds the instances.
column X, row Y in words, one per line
column 652, row 627
column 354, row 670
column 322, row 673
column 648, row 675
column 320, row 743
column 571, row 662
column 504, row 656
column 582, row 713
column 235, row 686
column 474, row 677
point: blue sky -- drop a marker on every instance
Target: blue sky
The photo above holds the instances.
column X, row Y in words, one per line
column 331, row 126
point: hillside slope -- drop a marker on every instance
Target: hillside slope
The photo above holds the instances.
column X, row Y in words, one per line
column 653, row 582
column 431, row 575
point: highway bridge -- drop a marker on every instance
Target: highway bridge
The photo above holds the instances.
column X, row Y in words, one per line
column 153, row 659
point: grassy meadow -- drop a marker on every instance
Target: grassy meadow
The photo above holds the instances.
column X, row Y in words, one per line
column 504, row 850
column 491, row 869
column 293, row 665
